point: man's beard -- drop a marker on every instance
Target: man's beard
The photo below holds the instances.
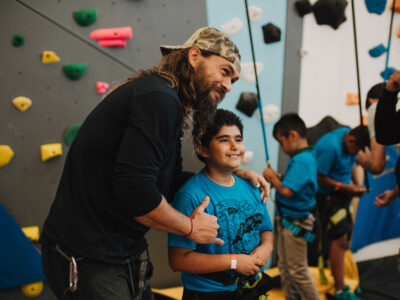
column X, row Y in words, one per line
column 204, row 107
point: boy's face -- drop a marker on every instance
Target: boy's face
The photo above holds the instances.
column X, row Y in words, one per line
column 226, row 149
column 350, row 144
column 287, row 144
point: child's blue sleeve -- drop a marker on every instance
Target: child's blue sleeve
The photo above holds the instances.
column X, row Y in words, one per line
column 185, row 204
column 296, row 174
column 266, row 224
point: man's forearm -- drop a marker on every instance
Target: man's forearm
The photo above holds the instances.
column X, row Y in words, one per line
column 164, row 217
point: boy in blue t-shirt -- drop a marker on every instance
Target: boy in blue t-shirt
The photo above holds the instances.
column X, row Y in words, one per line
column 335, row 153
column 295, row 196
column 211, row 271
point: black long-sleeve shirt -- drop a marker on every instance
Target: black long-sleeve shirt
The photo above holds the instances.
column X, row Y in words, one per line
column 124, row 158
column 387, row 119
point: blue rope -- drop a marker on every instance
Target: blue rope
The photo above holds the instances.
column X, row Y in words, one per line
column 260, row 107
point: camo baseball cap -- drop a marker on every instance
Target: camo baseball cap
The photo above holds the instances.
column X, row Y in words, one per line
column 212, row 40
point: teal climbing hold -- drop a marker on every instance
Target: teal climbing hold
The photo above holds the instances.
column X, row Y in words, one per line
column 18, row 40
column 70, row 133
column 85, row 17
column 75, row 71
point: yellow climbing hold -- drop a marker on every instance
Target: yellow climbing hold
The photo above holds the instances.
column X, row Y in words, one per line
column 6, row 154
column 50, row 150
column 49, row 57
column 32, row 289
column 31, row 232
column 22, row 103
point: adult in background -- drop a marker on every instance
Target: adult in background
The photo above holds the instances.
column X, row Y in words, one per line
column 387, row 126
column 373, row 160
column 121, row 167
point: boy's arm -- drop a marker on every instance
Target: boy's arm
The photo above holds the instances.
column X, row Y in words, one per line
column 264, row 250
column 270, row 175
column 190, row 261
column 351, row 189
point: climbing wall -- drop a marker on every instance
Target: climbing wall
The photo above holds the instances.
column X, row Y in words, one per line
column 328, row 70
column 28, row 184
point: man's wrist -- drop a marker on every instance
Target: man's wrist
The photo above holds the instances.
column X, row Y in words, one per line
column 191, row 230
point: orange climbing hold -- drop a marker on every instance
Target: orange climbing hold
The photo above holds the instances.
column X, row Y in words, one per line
column 352, row 99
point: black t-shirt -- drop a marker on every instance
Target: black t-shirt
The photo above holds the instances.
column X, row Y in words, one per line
column 387, row 119
column 124, row 157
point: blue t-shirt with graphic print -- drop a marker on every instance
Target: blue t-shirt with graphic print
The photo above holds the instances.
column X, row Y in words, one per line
column 332, row 158
column 241, row 216
column 301, row 178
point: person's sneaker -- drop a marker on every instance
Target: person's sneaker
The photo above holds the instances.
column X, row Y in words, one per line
column 345, row 294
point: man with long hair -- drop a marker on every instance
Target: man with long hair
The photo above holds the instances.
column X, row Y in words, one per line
column 121, row 167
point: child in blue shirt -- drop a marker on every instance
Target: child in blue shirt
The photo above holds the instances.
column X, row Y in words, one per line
column 209, row 271
column 295, row 196
column 335, row 153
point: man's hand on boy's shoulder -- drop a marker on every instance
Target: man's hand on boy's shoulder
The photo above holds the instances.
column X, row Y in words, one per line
column 257, row 180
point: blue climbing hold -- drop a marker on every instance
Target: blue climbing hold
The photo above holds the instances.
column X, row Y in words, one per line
column 375, row 6
column 377, row 51
column 385, row 74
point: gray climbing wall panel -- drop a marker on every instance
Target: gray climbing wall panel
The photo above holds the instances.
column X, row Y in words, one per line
column 27, row 184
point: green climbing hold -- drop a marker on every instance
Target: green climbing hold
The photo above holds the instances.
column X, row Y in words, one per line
column 75, row 71
column 85, row 17
column 70, row 133
column 18, row 40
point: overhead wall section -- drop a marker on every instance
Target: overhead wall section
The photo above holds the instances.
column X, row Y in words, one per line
column 328, row 70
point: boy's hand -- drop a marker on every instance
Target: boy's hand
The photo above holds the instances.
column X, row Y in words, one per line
column 248, row 265
column 269, row 174
column 262, row 253
column 385, row 198
column 205, row 226
column 354, row 190
column 257, row 180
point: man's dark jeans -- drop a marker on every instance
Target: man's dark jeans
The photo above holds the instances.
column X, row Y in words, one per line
column 97, row 280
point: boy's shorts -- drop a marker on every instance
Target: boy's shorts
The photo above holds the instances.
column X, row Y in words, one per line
column 335, row 204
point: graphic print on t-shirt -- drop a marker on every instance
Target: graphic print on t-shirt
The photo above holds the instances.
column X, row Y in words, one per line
column 240, row 222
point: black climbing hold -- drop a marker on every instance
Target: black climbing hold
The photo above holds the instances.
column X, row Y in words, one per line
column 271, row 33
column 248, row 103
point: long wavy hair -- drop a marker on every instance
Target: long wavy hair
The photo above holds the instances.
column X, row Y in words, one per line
column 175, row 67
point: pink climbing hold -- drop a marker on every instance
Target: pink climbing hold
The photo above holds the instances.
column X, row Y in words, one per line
column 112, row 33
column 112, row 43
column 102, row 87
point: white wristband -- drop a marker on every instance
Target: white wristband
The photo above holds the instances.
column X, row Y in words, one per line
column 233, row 261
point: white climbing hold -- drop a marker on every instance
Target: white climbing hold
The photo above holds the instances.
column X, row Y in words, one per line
column 232, row 27
column 247, row 72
